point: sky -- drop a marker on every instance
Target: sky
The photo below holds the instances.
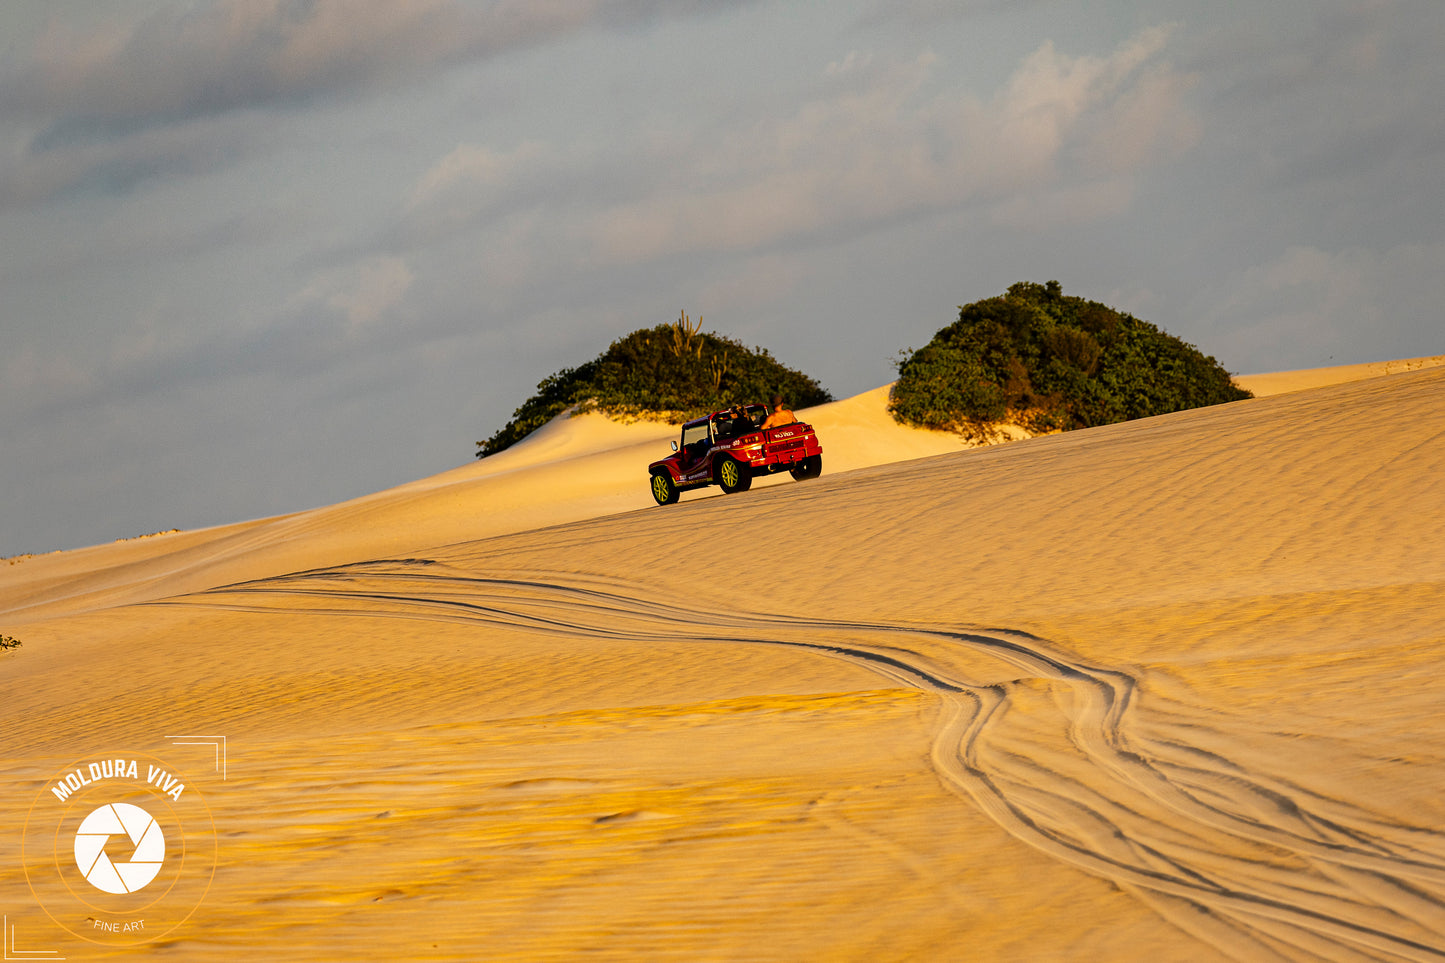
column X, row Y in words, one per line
column 258, row 256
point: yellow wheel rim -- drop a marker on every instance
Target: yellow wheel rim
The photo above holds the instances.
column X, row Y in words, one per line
column 730, row 473
column 659, row 488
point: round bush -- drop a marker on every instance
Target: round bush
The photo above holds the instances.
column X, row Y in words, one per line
column 671, row 372
column 1049, row 362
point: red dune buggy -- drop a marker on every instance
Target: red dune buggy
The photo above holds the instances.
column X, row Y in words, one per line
column 730, row 448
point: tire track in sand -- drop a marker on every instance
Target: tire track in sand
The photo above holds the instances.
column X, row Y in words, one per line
column 1049, row 747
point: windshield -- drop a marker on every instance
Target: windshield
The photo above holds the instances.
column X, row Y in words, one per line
column 692, row 434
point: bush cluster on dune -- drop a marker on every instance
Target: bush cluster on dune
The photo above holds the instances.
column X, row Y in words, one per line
column 1032, row 357
column 672, row 371
column 1048, row 362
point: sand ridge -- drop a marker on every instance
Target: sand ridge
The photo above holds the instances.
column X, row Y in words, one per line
column 573, row 468
column 1158, row 690
column 1279, row 382
column 1149, row 817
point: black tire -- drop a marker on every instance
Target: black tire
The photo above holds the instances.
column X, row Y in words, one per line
column 732, row 476
column 664, row 489
column 810, row 467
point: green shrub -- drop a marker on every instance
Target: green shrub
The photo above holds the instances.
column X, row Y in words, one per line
column 1050, row 362
column 672, row 371
column 7, row 642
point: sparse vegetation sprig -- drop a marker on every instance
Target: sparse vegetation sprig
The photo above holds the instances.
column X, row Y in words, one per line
column 9, row 642
column 672, row 372
column 164, row 531
column 1050, row 362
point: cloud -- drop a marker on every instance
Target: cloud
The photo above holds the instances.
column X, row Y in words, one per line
column 117, row 166
column 1146, row 123
column 28, row 375
column 879, row 141
column 185, row 62
column 886, row 143
column 337, row 320
column 226, row 55
column 752, row 284
column 1349, row 88
column 108, row 106
column 1046, row 211
column 474, row 179
column 363, row 292
column 928, row 13
column 1311, row 306
column 855, row 60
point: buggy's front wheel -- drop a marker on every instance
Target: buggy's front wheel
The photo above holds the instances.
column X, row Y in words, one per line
column 664, row 489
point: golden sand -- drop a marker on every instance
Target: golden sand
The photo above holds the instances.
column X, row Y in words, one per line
column 1165, row 690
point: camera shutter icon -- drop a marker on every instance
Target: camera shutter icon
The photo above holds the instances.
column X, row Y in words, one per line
column 115, row 819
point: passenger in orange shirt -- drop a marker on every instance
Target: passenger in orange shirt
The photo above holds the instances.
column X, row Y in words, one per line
column 782, row 414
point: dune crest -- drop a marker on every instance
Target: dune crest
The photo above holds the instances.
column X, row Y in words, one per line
column 572, row 468
column 1279, row 382
column 1157, row 690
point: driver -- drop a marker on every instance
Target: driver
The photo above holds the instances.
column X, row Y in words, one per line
column 740, row 423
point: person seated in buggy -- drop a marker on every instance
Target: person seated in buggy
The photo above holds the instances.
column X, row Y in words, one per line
column 735, row 423
column 782, row 414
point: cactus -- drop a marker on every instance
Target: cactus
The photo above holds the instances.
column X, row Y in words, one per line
column 718, row 368
column 683, row 332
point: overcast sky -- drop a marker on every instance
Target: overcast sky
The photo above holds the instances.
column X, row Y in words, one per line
column 262, row 255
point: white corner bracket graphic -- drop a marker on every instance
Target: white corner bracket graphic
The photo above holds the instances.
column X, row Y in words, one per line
column 11, row 953
column 219, row 742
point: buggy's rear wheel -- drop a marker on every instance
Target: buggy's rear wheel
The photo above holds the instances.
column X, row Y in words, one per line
column 810, row 467
column 733, row 476
column 664, row 489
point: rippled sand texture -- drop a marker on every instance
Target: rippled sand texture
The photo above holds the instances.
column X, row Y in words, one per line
column 1166, row 690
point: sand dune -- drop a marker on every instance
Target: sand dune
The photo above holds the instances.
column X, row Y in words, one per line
column 574, row 468
column 1280, row 382
column 1163, row 690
